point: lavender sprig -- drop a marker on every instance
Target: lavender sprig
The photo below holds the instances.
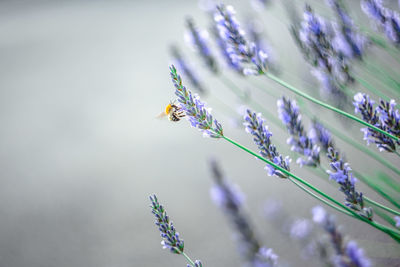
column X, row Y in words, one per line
column 316, row 36
column 387, row 19
column 299, row 141
column 195, row 109
column 254, row 124
column 319, row 134
column 341, row 173
column 167, row 230
column 348, row 41
column 199, row 41
column 230, row 200
column 250, row 60
column 385, row 117
column 345, row 254
column 186, row 69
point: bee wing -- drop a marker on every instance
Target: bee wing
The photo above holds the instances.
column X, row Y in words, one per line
column 161, row 115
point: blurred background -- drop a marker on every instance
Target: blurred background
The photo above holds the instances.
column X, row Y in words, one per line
column 81, row 83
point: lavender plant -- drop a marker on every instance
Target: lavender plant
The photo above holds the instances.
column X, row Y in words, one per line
column 348, row 254
column 170, row 237
column 385, row 117
column 299, row 141
column 228, row 197
column 334, row 50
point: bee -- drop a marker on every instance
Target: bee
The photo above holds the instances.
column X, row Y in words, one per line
column 173, row 112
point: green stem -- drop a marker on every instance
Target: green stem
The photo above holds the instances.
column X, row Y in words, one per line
column 319, row 198
column 391, row 232
column 381, row 206
column 397, row 153
column 377, row 189
column 188, row 259
column 323, row 104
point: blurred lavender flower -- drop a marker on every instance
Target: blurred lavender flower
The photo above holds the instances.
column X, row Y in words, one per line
column 228, row 198
column 330, row 87
column 241, row 53
column 385, row 117
column 254, row 124
column 319, row 134
column 347, row 40
column 255, row 33
column 233, row 64
column 386, row 19
column 198, row 39
column 345, row 255
column 186, row 69
column 197, row 263
column 195, row 109
column 170, row 237
column 316, row 37
column 300, row 229
column 299, row 141
column 397, row 220
column 341, row 173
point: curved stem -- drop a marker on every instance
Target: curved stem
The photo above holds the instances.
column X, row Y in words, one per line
column 377, row 189
column 391, row 232
column 319, row 198
column 323, row 104
column 188, row 259
column 381, row 206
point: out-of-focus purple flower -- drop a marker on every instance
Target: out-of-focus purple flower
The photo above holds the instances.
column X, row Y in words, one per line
column 385, row 117
column 347, row 39
column 259, row 5
column 265, row 257
column 230, row 201
column 198, row 115
column 319, row 214
column 186, row 69
column 197, row 263
column 299, row 141
column 387, row 19
column 321, row 135
column 345, row 254
column 243, row 55
column 198, row 39
column 397, row 221
column 167, row 230
column 341, row 173
column 254, row 124
column 300, row 229
column 356, row 255
column 316, row 38
column 330, row 87
column 255, row 33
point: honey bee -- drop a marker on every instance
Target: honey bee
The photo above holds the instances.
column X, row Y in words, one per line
column 173, row 112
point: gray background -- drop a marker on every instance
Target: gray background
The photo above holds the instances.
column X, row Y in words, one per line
column 81, row 83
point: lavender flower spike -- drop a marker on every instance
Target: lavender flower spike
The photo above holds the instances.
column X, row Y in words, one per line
column 319, row 134
column 168, row 233
column 385, row 117
column 247, row 56
column 341, row 173
column 300, row 142
column 230, row 200
column 195, row 109
column 344, row 254
column 198, row 40
column 186, row 69
column 197, row 263
column 387, row 19
column 254, row 124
